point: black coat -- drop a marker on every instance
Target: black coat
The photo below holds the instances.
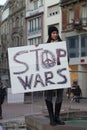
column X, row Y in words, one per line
column 2, row 95
column 76, row 91
column 2, row 92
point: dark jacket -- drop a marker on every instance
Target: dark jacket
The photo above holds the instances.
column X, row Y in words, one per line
column 2, row 93
column 76, row 91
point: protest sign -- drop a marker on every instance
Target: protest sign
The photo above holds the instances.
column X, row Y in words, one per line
column 40, row 68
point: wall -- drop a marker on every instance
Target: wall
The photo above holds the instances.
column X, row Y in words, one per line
column 56, row 19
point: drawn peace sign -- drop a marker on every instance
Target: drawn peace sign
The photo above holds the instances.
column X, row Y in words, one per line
column 48, row 59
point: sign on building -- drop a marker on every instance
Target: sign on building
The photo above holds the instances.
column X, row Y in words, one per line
column 40, row 68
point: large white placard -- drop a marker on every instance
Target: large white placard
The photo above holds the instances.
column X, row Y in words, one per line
column 44, row 67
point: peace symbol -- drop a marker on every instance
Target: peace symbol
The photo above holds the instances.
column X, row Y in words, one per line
column 48, row 59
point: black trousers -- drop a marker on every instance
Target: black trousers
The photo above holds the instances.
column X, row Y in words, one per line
column 59, row 95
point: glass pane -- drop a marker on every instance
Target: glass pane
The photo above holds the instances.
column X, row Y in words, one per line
column 84, row 45
column 72, row 55
column 73, row 46
column 83, row 54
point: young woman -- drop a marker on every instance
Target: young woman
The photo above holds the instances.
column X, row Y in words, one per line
column 54, row 117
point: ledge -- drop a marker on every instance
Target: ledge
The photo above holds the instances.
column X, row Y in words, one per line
column 39, row 122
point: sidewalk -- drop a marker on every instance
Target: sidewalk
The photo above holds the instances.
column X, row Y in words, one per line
column 16, row 112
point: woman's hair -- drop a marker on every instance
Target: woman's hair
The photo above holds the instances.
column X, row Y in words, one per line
column 49, row 39
column 50, row 30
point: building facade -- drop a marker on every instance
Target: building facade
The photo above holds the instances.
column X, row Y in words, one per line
column 12, row 27
column 40, row 14
column 34, row 20
column 52, row 16
column 74, row 31
column 12, row 35
column 0, row 41
column 17, row 22
column 4, row 30
column 28, row 24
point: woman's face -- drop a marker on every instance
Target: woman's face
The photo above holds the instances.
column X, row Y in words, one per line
column 54, row 35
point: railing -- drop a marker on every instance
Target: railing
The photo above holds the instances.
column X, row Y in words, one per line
column 80, row 23
column 34, row 32
column 40, row 9
column 67, row 1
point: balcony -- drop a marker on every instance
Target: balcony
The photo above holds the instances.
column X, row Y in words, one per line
column 30, row 13
column 80, row 24
column 62, row 1
column 67, row 2
column 34, row 33
column 69, row 26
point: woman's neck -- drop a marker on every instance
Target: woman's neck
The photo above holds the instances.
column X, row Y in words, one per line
column 54, row 40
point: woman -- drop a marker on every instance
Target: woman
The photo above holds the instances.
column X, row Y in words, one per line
column 76, row 92
column 54, row 118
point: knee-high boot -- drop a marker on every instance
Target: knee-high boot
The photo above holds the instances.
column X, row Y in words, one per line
column 50, row 111
column 57, row 114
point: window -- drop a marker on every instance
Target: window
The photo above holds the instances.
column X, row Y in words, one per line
column 35, row 4
column 34, row 25
column 39, row 40
column 30, row 41
column 34, row 30
column 71, row 16
column 53, row 10
column 84, row 45
column 13, row 22
column 31, row 26
column 84, row 15
column 83, row 54
column 35, row 40
column 72, row 55
column 16, row 40
column 73, row 46
column 41, row 2
column 39, row 22
column 17, row 21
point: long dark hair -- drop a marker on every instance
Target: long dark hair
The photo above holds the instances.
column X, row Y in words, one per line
column 49, row 39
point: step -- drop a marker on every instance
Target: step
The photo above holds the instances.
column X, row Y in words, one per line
column 40, row 122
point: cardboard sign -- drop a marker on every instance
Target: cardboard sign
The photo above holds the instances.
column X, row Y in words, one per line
column 40, row 68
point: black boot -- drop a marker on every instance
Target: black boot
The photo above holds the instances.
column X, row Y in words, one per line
column 57, row 112
column 50, row 111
